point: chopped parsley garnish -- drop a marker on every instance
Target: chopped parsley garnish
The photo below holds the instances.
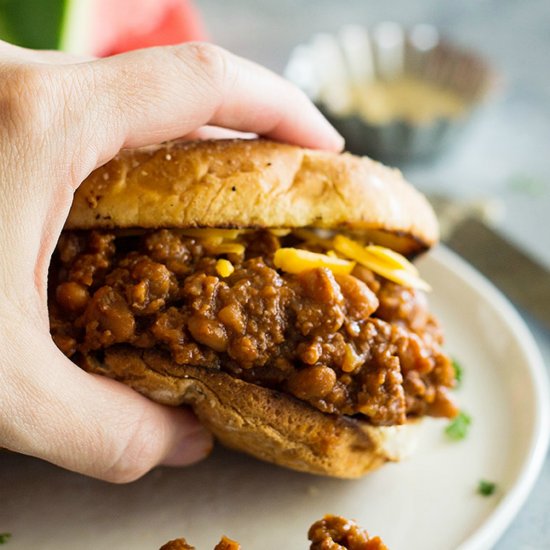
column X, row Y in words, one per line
column 4, row 537
column 459, row 427
column 458, row 372
column 486, row 488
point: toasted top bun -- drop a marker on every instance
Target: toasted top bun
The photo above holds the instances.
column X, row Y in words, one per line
column 254, row 184
column 264, row 423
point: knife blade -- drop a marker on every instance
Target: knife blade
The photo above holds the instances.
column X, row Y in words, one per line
column 521, row 278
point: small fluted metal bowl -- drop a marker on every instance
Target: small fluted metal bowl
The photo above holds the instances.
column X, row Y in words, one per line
column 332, row 69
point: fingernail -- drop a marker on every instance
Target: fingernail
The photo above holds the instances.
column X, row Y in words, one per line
column 339, row 141
column 330, row 140
column 194, row 446
column 334, row 141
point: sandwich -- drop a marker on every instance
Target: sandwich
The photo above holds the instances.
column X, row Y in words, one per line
column 271, row 288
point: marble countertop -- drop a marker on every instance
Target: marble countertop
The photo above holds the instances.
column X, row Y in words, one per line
column 508, row 143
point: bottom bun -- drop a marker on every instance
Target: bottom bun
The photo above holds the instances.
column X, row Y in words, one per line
column 264, row 423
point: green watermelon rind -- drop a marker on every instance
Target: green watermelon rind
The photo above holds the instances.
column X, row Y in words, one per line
column 65, row 27
column 19, row 20
column 76, row 18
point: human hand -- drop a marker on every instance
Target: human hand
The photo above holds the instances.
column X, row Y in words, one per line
column 62, row 117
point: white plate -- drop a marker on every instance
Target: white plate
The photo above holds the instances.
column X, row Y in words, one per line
column 428, row 502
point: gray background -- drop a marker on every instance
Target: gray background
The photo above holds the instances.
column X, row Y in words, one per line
column 505, row 154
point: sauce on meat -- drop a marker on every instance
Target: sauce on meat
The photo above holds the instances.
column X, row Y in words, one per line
column 352, row 344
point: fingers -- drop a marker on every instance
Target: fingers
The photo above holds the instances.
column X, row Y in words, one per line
column 55, row 57
column 152, row 95
column 17, row 54
column 215, row 132
column 65, row 119
column 90, row 424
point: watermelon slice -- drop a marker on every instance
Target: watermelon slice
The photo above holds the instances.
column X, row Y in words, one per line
column 99, row 27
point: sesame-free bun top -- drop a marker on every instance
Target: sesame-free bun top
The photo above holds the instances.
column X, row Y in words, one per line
column 254, row 184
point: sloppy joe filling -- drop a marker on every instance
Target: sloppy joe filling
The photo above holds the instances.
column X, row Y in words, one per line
column 351, row 343
column 339, row 533
column 329, row 533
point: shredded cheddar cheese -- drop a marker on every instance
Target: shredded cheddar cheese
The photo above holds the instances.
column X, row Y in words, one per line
column 311, row 237
column 227, row 248
column 341, row 254
column 393, row 259
column 224, row 268
column 213, row 235
column 384, row 262
column 280, row 232
column 296, row 260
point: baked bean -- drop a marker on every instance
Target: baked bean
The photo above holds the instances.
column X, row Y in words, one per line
column 312, row 382
column 72, row 296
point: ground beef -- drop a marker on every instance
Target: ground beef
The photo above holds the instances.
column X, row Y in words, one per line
column 329, row 533
column 338, row 533
column 177, row 544
column 351, row 344
column 182, row 544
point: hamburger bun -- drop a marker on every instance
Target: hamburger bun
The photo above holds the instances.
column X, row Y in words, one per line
column 254, row 184
column 264, row 423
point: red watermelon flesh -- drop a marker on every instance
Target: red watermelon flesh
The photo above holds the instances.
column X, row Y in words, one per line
column 121, row 25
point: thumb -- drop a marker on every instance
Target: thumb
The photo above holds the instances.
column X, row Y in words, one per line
column 88, row 423
column 148, row 96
